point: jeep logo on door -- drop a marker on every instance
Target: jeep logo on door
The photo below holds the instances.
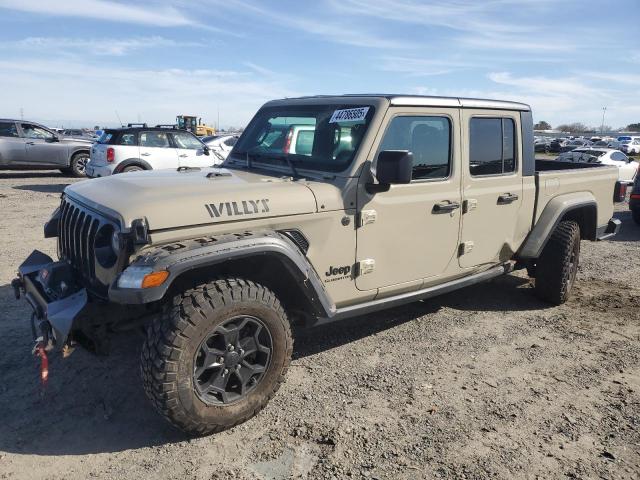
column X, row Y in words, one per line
column 234, row 209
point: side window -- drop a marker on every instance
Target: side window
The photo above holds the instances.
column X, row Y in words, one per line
column 304, row 142
column 186, row 140
column 618, row 156
column 492, row 146
column 128, row 139
column 428, row 138
column 34, row 131
column 154, row 139
column 8, row 129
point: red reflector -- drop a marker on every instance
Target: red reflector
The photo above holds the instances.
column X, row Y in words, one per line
column 287, row 143
column 635, row 196
column 111, row 155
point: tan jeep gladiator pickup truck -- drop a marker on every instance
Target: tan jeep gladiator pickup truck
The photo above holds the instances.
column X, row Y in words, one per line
column 379, row 200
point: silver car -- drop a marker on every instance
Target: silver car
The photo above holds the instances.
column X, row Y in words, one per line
column 31, row 146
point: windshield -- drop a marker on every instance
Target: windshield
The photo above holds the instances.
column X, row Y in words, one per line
column 316, row 137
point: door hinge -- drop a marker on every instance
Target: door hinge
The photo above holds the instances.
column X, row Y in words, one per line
column 365, row 266
column 366, row 217
column 469, row 204
column 465, row 247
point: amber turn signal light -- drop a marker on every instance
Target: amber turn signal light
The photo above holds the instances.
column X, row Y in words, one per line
column 155, row 279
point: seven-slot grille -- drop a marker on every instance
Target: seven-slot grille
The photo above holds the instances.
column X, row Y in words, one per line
column 78, row 228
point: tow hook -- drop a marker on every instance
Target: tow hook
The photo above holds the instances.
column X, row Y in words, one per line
column 16, row 283
column 40, row 351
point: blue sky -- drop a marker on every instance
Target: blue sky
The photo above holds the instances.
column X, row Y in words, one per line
column 77, row 62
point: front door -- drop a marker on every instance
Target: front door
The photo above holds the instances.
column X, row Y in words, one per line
column 190, row 151
column 410, row 232
column 492, row 187
column 43, row 147
column 157, row 151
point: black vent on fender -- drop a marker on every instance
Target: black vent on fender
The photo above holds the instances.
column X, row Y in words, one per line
column 298, row 238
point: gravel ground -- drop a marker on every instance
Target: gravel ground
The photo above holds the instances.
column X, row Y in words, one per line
column 484, row 382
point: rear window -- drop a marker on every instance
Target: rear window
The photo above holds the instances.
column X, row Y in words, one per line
column 492, row 146
column 8, row 129
column 106, row 137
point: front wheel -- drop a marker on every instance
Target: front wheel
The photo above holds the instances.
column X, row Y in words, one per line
column 216, row 355
column 557, row 266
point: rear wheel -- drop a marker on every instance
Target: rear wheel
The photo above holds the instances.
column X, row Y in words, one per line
column 556, row 269
column 217, row 355
column 132, row 168
column 78, row 165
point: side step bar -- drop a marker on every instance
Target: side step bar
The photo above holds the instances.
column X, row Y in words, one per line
column 404, row 298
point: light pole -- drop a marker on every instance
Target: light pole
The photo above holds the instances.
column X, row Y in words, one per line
column 604, row 110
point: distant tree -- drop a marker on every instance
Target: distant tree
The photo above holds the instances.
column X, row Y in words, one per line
column 542, row 126
column 634, row 127
column 576, row 127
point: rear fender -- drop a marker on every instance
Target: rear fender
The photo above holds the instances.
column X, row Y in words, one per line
column 579, row 206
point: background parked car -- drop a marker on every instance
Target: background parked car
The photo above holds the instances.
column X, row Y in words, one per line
column 220, row 145
column 135, row 148
column 627, row 167
column 541, row 145
column 631, row 146
column 573, row 144
column 78, row 133
column 29, row 145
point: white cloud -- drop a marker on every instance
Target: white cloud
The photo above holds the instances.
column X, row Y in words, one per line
column 106, row 10
column 93, row 46
column 421, row 67
column 62, row 90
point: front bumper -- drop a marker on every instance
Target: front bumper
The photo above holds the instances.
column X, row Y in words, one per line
column 94, row 171
column 56, row 303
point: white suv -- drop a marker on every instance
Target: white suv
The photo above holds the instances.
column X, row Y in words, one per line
column 145, row 148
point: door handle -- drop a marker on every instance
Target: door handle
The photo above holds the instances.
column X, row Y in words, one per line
column 145, row 154
column 507, row 198
column 445, row 207
column 183, row 155
column 30, row 143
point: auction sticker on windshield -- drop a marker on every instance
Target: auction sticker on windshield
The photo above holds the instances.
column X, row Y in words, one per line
column 349, row 115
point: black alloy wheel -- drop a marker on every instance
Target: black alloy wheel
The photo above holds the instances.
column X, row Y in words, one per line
column 232, row 360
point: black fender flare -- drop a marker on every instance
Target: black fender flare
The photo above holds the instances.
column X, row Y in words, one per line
column 181, row 257
column 556, row 209
column 130, row 162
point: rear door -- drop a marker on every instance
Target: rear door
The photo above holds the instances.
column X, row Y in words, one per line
column 43, row 146
column 156, row 149
column 190, row 150
column 491, row 187
column 12, row 146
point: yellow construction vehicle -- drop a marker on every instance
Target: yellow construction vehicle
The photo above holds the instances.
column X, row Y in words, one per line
column 194, row 124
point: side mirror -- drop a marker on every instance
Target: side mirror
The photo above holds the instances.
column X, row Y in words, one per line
column 393, row 167
column 205, row 150
column 53, row 139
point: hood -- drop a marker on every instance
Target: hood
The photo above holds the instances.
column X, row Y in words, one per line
column 71, row 140
column 171, row 199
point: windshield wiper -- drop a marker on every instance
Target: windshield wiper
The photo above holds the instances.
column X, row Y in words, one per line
column 285, row 158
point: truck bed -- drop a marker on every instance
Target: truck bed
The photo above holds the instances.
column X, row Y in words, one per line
column 556, row 179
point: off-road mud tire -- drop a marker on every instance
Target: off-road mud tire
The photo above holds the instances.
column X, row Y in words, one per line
column 557, row 266
column 174, row 336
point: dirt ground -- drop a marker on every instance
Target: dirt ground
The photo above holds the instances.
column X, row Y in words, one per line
column 486, row 382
